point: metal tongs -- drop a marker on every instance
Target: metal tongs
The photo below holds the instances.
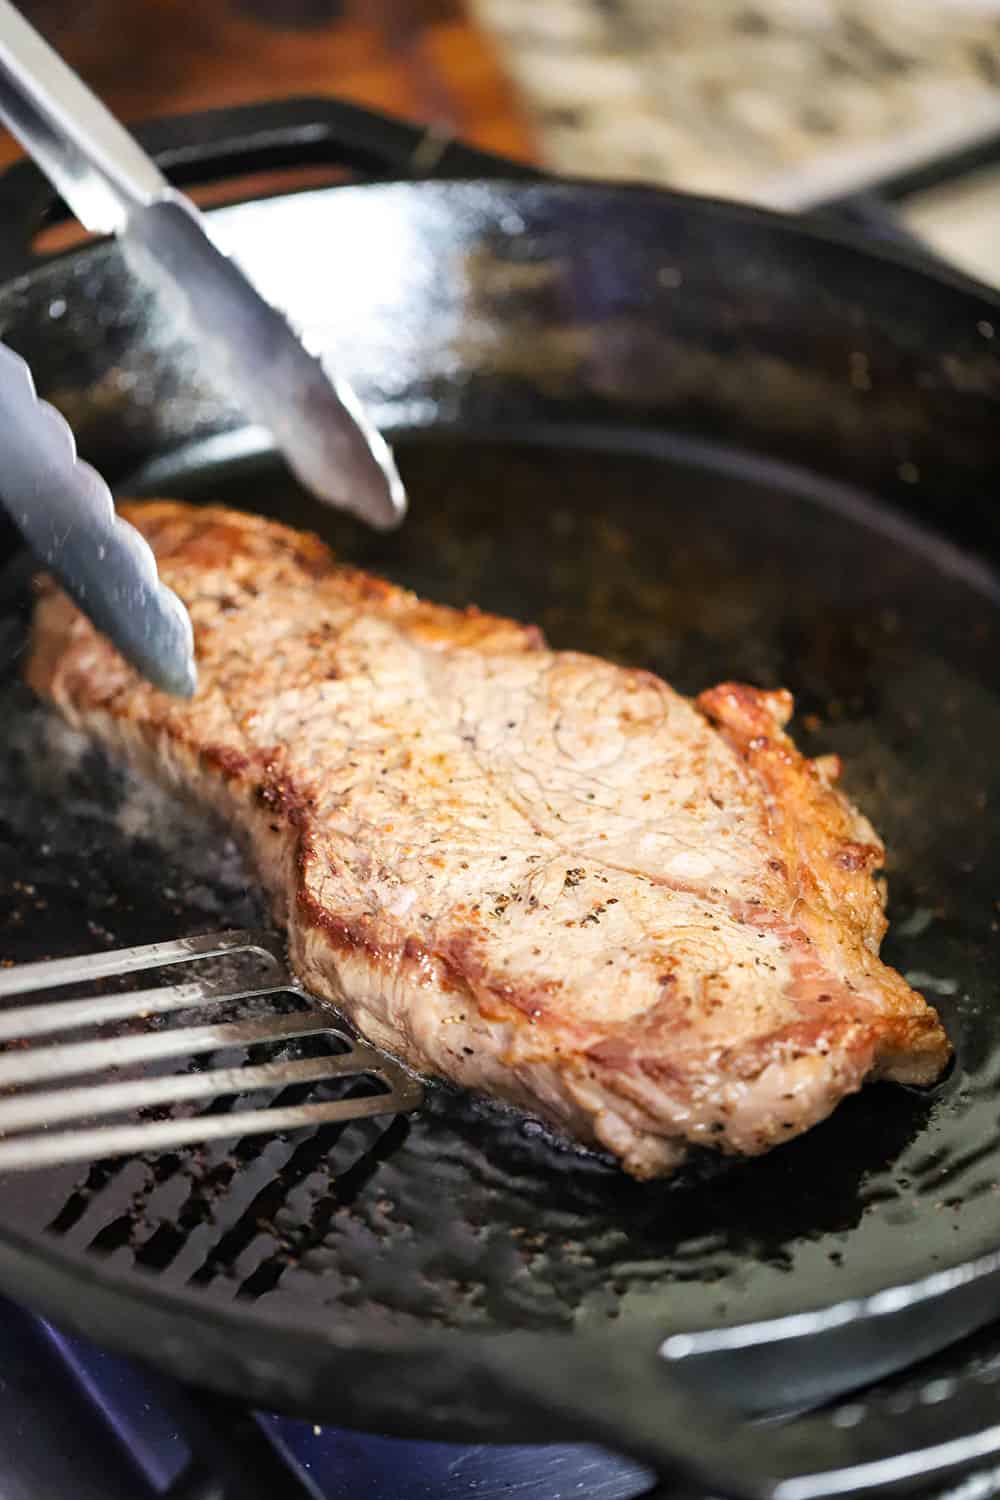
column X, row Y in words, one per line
column 62, row 506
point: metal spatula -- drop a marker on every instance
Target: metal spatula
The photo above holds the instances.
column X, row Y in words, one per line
column 46, row 1085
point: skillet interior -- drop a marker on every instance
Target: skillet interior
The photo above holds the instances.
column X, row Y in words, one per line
column 470, row 1218
column 699, row 564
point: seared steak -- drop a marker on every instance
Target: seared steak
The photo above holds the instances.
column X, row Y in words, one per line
column 650, row 922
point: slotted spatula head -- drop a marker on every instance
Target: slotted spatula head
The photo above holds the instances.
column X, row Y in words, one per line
column 63, row 1079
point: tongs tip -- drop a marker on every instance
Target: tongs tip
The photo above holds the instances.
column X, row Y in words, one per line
column 355, row 471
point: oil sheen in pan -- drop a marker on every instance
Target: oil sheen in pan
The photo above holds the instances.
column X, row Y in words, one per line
column 469, row 1215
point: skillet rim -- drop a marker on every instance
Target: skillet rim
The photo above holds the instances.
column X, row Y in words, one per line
column 817, row 225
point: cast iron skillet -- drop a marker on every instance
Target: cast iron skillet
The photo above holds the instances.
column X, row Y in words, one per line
column 703, row 439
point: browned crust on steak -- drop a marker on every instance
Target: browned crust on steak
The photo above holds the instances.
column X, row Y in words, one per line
column 830, row 854
column 532, row 872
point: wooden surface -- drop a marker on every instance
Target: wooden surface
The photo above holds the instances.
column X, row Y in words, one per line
column 420, row 58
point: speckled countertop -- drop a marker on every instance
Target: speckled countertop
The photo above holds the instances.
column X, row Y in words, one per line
column 776, row 101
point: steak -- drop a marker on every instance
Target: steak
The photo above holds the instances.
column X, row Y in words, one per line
column 648, row 921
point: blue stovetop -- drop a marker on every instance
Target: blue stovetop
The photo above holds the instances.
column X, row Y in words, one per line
column 75, row 1420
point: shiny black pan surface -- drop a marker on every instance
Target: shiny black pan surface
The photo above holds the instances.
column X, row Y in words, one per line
column 685, row 436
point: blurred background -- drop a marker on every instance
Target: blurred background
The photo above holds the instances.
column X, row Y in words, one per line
column 779, row 101
column 787, row 103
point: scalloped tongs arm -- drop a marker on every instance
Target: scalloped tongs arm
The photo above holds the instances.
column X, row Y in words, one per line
column 66, row 514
